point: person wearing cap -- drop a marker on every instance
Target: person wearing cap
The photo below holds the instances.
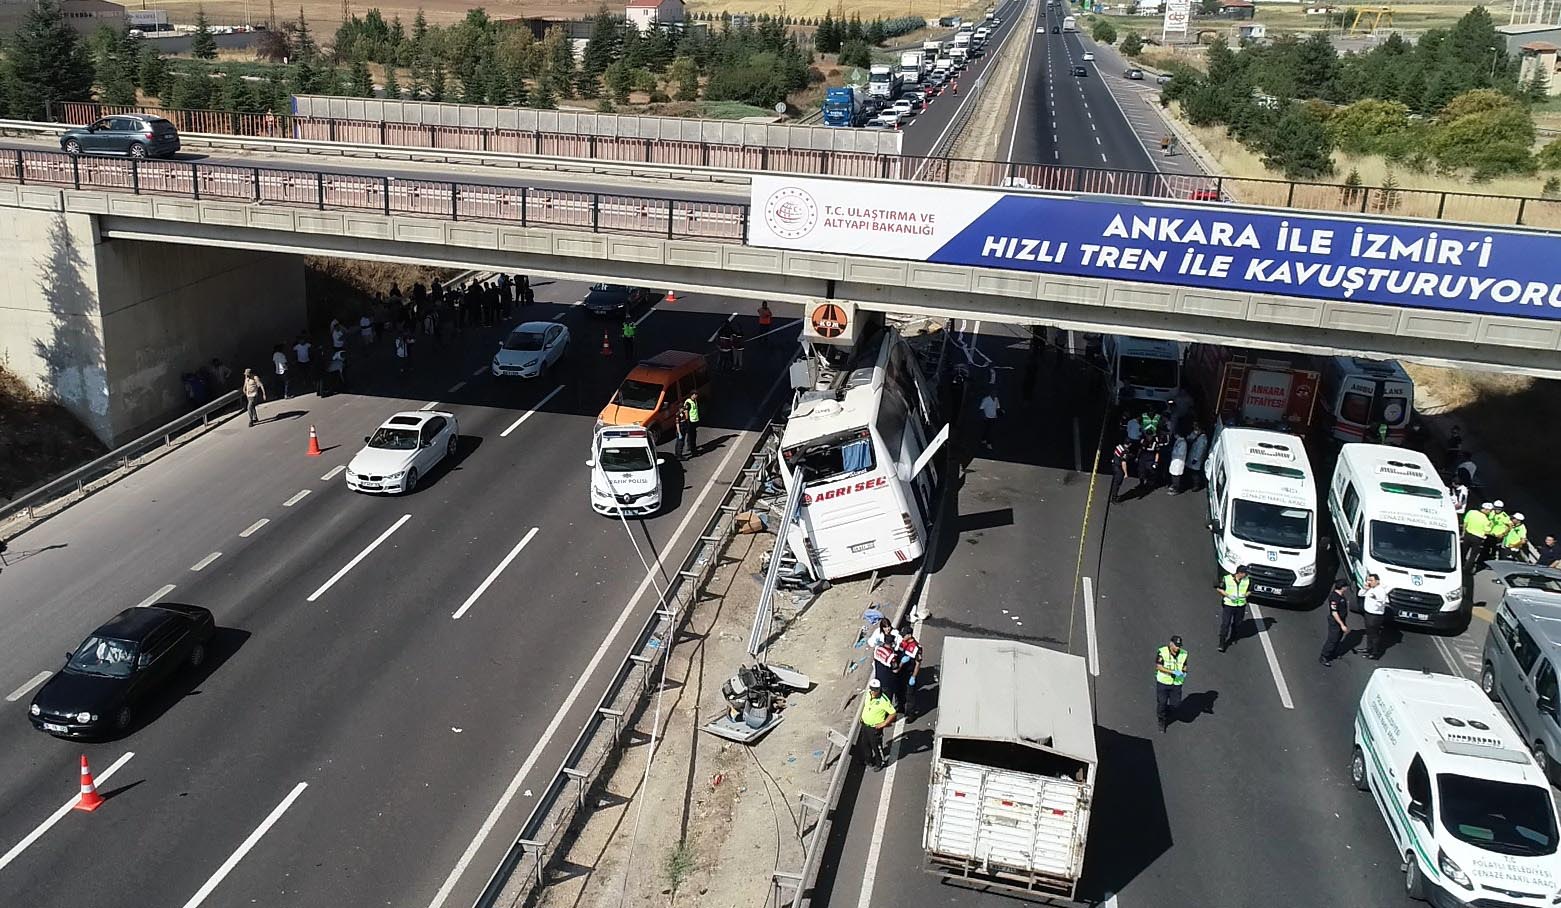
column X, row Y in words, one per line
column 1233, row 589
column 1476, row 527
column 877, row 713
column 1338, row 622
column 1514, row 545
column 1501, row 524
column 1170, row 673
column 1374, row 602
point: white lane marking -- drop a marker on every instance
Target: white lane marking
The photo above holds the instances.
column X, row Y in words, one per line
column 480, row 370
column 1111, row 900
column 1089, row 627
column 204, row 563
column 163, row 591
column 456, row 387
column 254, row 837
column 483, row 587
column 717, row 331
column 335, row 471
column 875, row 846
column 1013, row 136
column 358, row 557
column 1273, row 660
column 59, row 814
column 1102, row 156
column 296, row 498
column 1097, row 140
column 557, row 318
column 648, row 313
column 780, row 327
column 254, row 527
column 430, row 405
column 528, row 414
column 585, row 676
column 22, row 691
column 1447, row 656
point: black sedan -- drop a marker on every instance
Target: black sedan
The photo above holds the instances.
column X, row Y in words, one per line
column 613, row 299
column 119, row 667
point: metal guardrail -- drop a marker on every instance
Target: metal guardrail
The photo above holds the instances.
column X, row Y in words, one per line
column 1495, row 210
column 77, row 481
column 521, row 205
column 524, row 866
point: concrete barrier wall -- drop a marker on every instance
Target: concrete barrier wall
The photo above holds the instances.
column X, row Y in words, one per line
column 586, row 123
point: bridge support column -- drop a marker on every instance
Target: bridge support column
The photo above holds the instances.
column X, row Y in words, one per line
column 107, row 327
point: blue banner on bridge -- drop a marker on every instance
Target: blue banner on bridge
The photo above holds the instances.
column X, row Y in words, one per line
column 1421, row 264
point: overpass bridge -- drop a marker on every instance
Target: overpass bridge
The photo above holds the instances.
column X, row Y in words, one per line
column 91, row 229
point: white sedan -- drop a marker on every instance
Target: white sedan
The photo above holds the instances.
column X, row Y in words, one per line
column 531, row 349
column 1088, row 56
column 402, row 451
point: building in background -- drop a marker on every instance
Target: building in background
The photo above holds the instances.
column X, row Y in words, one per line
column 1515, row 36
column 1537, row 65
column 644, row 14
column 87, row 16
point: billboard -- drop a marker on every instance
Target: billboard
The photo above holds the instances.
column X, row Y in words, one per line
column 1425, row 265
column 1177, row 12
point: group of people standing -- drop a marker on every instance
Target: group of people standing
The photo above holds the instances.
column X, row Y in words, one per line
column 1159, row 449
column 896, row 655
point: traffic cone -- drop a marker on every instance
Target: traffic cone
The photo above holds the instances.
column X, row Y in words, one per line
column 672, row 296
column 606, row 345
column 314, row 443
column 90, row 800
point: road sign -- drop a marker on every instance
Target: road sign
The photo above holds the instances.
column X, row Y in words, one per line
column 780, row 107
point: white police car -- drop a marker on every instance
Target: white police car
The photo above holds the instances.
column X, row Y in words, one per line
column 625, row 472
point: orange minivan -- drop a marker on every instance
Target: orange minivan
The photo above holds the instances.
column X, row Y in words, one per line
column 654, row 390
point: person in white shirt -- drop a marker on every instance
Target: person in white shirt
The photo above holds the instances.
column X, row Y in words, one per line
column 366, row 329
column 279, row 363
column 1178, row 465
column 1197, row 449
column 1374, row 602
column 991, row 408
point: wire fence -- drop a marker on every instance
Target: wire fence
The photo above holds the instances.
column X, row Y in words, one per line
column 521, row 205
column 1468, row 207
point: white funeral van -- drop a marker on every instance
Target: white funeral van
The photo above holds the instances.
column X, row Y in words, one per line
column 1469, row 810
column 1263, row 512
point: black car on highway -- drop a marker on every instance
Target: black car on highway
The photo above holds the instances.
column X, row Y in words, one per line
column 128, row 135
column 119, row 667
column 613, row 299
column 1080, row 71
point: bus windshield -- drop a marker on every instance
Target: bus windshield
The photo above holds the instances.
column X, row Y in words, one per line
column 1143, row 372
column 833, row 458
column 1271, row 524
column 1416, row 548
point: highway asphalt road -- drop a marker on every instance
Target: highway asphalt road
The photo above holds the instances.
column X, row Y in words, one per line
column 929, row 130
column 350, row 738
column 1247, row 804
column 1065, row 119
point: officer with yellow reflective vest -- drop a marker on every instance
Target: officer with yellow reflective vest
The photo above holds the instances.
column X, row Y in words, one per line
column 1233, row 591
column 1170, row 672
column 629, row 330
column 1476, row 527
column 1514, row 545
column 1501, row 525
column 877, row 713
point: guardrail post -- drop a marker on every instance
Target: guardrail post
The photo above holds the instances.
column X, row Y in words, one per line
column 385, row 186
column 1522, row 205
column 255, row 175
column 455, row 211
column 536, row 141
column 135, row 177
column 319, row 189
column 590, row 146
column 1007, row 177
column 1441, row 205
column 578, row 778
column 195, row 180
column 764, row 158
column 647, row 151
column 669, row 219
column 744, row 209
column 432, row 142
column 525, row 202
column 596, row 211
column 75, row 170
column 704, row 154
column 21, row 172
column 330, row 130
column 1365, row 199
column 384, row 133
column 1290, row 195
column 1219, row 188
column 484, row 133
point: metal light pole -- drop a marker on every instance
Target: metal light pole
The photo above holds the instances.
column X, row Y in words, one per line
column 1494, row 54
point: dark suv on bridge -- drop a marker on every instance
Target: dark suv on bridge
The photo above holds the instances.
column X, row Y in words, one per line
column 130, row 135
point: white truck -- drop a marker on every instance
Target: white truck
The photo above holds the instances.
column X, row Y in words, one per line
column 931, row 49
column 913, row 65
column 883, row 81
column 1070, row 24
column 1013, row 767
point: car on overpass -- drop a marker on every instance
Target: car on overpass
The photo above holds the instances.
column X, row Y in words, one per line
column 403, row 450
column 119, row 668
column 128, row 135
column 531, row 350
column 613, row 299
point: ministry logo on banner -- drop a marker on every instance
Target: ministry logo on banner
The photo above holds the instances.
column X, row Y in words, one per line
column 858, row 218
column 790, row 212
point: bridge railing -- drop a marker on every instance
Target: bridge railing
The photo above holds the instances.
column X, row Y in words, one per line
column 1467, row 207
column 462, row 201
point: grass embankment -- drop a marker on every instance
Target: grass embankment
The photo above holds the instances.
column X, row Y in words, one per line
column 41, row 438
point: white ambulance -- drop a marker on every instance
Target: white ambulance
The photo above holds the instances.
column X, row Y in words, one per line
column 1393, row 517
column 1263, row 512
column 625, row 472
column 1469, row 810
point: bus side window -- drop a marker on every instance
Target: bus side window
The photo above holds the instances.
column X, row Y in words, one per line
column 1351, row 502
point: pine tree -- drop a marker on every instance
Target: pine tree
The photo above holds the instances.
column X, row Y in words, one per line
column 684, row 73
column 302, row 80
column 305, row 50
column 46, row 62
column 542, row 98
column 438, row 81
column 203, row 46
column 153, row 71
column 392, row 86
column 360, row 82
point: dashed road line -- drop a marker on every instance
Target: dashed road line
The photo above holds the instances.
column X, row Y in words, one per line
column 430, row 405
column 1089, row 627
column 717, row 331
column 163, row 591
column 254, row 527
column 456, row 387
column 37, row 833
column 335, row 471
column 529, row 413
column 302, row 494
column 480, row 370
column 244, row 847
column 357, row 558
column 32, row 682
column 204, row 563
column 483, row 587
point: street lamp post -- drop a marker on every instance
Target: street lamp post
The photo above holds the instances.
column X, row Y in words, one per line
column 1495, row 52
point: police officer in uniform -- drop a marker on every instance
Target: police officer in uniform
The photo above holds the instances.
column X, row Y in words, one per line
column 1501, row 525
column 1476, row 528
column 877, row 714
column 1120, row 455
column 1170, row 672
column 629, row 330
column 1338, row 622
column 1233, row 591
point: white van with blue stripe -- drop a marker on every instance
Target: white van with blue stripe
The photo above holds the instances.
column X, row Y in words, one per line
column 1469, row 810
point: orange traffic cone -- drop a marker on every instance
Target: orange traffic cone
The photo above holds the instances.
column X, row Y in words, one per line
column 314, row 443
column 672, row 296
column 90, row 800
column 606, row 345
